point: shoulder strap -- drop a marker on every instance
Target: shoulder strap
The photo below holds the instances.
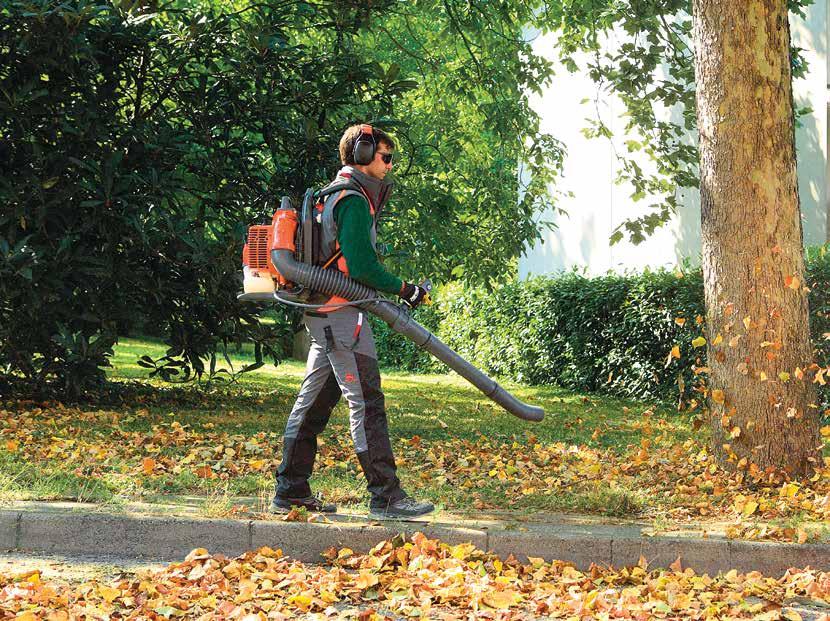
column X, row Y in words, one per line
column 344, row 183
column 349, row 185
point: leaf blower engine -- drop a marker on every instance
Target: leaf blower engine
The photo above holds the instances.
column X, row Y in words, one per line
column 282, row 263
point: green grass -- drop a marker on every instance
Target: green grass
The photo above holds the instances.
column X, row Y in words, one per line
column 434, row 407
column 417, row 405
column 19, row 481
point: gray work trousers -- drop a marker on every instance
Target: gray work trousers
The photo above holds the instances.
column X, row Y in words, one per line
column 342, row 360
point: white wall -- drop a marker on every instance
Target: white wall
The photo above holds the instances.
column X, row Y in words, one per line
column 598, row 205
column 811, row 139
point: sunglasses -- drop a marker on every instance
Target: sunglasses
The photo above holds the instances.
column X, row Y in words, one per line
column 386, row 157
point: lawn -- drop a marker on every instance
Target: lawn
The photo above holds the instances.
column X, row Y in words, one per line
column 591, row 454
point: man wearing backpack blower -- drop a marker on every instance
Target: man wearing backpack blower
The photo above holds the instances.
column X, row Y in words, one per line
column 342, row 358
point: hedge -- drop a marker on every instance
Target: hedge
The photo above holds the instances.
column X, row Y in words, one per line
column 608, row 334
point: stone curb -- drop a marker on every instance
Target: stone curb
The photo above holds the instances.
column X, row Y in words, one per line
column 171, row 538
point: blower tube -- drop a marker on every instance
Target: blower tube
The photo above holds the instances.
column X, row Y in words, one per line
column 332, row 282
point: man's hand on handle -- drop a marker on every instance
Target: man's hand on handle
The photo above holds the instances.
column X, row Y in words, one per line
column 414, row 295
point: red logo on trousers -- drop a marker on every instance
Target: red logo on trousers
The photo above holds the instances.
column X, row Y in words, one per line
column 349, row 377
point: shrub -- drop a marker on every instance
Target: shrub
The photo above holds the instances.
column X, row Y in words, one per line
column 135, row 149
column 610, row 333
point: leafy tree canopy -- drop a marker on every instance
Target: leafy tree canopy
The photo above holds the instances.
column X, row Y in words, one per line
column 138, row 142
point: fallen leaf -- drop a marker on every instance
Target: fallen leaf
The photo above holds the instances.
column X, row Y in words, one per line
column 148, row 464
column 499, row 599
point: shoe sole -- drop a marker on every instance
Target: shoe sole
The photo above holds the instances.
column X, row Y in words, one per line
column 400, row 518
column 284, row 511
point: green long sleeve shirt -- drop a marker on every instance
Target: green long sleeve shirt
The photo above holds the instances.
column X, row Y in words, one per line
column 354, row 223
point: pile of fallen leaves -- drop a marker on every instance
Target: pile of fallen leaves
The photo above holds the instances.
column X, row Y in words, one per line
column 420, row 578
column 682, row 481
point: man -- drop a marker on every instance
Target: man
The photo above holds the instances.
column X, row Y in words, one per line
column 342, row 358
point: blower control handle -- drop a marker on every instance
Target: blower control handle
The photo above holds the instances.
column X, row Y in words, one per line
column 426, row 285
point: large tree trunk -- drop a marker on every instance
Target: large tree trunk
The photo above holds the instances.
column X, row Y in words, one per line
column 761, row 396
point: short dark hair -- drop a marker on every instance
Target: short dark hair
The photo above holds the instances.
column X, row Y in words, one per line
column 351, row 134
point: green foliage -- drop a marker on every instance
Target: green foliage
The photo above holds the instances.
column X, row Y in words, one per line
column 136, row 149
column 608, row 334
column 642, row 51
column 400, row 353
column 138, row 143
column 465, row 210
column 818, row 278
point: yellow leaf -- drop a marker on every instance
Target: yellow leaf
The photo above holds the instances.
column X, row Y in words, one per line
column 197, row 554
column 749, row 508
column 301, row 600
column 718, row 396
column 784, row 376
column 747, row 323
column 802, row 535
column 108, row 593
column 789, row 490
column 699, row 342
column 791, row 615
column 499, row 599
column 825, row 431
column 680, row 320
column 34, row 578
column 736, row 432
column 257, row 464
column 792, row 282
column 718, row 340
column 344, row 553
column 11, row 445
column 26, row 616
column 762, row 376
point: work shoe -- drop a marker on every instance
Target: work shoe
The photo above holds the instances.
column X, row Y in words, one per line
column 310, row 503
column 402, row 509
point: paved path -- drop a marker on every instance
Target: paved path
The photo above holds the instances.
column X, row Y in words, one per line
column 148, row 532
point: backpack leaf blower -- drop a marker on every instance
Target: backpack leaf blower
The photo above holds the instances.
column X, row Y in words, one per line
column 279, row 265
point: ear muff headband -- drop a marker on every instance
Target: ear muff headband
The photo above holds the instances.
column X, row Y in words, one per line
column 364, row 146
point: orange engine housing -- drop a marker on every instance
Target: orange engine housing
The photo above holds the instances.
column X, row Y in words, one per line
column 279, row 235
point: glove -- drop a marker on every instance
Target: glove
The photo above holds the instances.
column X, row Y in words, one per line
column 412, row 295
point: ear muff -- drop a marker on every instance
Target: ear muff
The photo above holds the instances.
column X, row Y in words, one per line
column 364, row 146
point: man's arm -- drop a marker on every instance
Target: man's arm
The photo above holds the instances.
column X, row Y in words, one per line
column 353, row 225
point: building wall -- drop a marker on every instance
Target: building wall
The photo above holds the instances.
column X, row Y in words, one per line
column 597, row 205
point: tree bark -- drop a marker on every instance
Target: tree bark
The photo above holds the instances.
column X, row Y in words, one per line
column 761, row 397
